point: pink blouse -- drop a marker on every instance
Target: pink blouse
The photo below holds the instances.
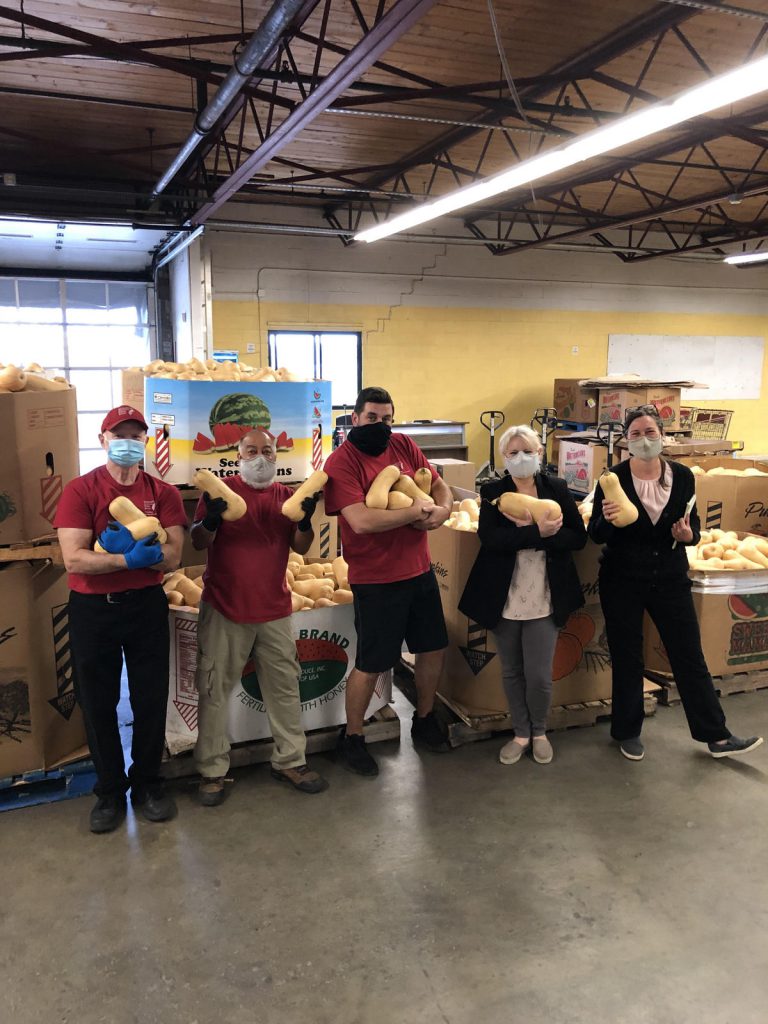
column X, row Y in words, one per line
column 651, row 493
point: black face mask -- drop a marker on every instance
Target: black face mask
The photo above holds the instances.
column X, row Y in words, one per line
column 372, row 439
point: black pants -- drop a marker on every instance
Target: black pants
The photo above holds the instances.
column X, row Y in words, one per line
column 670, row 605
column 101, row 633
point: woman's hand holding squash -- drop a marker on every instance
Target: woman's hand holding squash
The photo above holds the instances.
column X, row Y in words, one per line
column 524, row 520
column 611, row 509
column 549, row 527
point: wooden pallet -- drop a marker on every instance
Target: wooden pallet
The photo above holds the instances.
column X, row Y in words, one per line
column 44, row 548
column 726, row 686
column 41, row 787
column 385, row 725
column 465, row 726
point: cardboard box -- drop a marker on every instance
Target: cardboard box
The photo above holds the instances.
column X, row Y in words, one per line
column 38, row 456
column 680, row 449
column 198, row 425
column 456, row 473
column 472, row 676
column 326, row 645
column 614, row 403
column 580, row 463
column 732, row 502
column 573, row 402
column 41, row 724
column 734, row 634
column 554, row 438
column 133, row 388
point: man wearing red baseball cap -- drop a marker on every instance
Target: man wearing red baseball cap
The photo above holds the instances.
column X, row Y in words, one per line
column 117, row 610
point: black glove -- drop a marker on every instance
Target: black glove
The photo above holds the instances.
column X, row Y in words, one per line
column 308, row 507
column 214, row 510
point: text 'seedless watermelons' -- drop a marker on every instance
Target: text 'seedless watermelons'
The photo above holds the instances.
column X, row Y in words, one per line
column 323, row 666
column 240, row 409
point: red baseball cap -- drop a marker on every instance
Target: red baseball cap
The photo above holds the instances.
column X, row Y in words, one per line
column 122, row 414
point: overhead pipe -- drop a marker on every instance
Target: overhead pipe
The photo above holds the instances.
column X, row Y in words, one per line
column 256, row 51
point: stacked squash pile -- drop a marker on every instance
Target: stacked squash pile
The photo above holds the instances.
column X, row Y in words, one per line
column 464, row 516
column 317, row 584
column 725, row 549
column 181, row 591
column 196, row 369
column 31, row 378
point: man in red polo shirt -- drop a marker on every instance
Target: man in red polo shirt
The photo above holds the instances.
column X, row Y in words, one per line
column 246, row 613
column 117, row 609
column 395, row 591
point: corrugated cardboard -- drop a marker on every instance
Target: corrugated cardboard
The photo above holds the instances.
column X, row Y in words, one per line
column 41, row 724
column 614, row 403
column 734, row 634
column 732, row 502
column 38, row 456
column 326, row 646
column 572, row 402
column 456, row 473
column 133, row 388
column 581, row 463
column 198, row 425
column 472, row 676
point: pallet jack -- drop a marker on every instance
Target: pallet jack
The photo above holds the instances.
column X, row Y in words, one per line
column 495, row 419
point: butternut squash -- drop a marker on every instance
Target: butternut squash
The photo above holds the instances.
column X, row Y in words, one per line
column 297, row 602
column 289, row 578
column 342, row 597
column 169, row 583
column 462, row 521
column 470, row 506
column 12, row 378
column 190, row 591
column 378, row 492
column 396, row 500
column 733, row 560
column 423, row 479
column 153, row 367
column 749, row 549
column 708, row 564
column 314, row 569
column 124, row 511
column 406, row 485
column 324, row 602
column 713, row 550
column 698, row 471
column 38, row 382
column 205, row 480
column 613, row 491
column 175, row 597
column 513, row 503
column 313, row 588
column 340, row 571
column 292, row 507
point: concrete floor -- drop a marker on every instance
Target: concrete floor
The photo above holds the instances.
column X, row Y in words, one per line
column 451, row 890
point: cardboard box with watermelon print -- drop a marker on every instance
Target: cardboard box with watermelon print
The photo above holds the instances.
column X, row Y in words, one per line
column 198, row 425
column 326, row 646
column 580, row 463
column 614, row 403
column 472, row 676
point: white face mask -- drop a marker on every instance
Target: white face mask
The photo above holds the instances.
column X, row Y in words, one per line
column 258, row 472
column 645, row 447
column 521, row 464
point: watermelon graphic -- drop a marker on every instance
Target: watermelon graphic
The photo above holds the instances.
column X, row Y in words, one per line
column 323, row 666
column 748, row 606
column 230, row 419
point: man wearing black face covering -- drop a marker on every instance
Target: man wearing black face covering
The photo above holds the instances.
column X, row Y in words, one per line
column 395, row 591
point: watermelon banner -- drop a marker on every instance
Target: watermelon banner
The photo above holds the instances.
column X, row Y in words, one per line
column 326, row 647
column 204, row 421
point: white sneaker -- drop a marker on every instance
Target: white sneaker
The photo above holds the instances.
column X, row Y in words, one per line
column 511, row 752
column 542, row 750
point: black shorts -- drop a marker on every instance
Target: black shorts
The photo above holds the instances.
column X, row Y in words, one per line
column 386, row 614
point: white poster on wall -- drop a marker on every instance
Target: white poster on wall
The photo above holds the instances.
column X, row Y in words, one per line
column 732, row 367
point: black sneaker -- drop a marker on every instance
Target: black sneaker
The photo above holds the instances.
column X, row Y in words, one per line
column 108, row 813
column 154, row 804
column 353, row 755
column 632, row 749
column 430, row 732
column 734, row 746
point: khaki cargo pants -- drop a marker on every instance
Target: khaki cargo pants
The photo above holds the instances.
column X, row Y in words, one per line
column 223, row 648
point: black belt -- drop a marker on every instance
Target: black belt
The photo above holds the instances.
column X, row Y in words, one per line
column 121, row 596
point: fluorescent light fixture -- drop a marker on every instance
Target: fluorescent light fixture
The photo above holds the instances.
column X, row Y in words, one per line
column 747, row 257
column 731, row 87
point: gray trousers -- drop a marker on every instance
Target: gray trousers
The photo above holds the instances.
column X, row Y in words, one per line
column 526, row 648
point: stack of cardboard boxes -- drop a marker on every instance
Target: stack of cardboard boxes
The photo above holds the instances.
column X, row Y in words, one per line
column 40, row 723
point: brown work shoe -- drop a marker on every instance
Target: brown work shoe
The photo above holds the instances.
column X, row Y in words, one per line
column 301, row 778
column 211, row 791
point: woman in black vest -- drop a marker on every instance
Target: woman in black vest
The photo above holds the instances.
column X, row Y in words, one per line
column 524, row 586
column 644, row 567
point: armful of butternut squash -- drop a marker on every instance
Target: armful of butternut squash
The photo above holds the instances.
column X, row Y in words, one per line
column 236, row 508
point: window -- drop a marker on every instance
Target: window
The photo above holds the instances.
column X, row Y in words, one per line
column 331, row 355
column 87, row 331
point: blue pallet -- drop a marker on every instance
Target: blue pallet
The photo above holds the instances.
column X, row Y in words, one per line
column 575, row 427
column 41, row 787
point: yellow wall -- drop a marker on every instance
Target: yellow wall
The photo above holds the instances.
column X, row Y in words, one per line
column 452, row 363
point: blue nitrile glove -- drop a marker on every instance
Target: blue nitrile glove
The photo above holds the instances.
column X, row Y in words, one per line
column 308, row 507
column 116, row 539
column 144, row 553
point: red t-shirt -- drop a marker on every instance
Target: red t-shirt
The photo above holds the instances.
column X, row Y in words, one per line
column 397, row 554
column 245, row 576
column 84, row 505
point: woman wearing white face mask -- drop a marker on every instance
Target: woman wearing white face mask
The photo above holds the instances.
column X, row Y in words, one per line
column 524, row 586
column 644, row 568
